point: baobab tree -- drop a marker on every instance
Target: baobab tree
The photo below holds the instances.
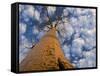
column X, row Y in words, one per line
column 47, row 54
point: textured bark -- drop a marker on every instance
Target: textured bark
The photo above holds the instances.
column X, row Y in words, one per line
column 46, row 55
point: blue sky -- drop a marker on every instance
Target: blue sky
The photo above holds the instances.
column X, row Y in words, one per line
column 77, row 31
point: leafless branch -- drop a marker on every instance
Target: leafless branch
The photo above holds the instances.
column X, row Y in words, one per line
column 30, row 47
column 58, row 19
column 48, row 27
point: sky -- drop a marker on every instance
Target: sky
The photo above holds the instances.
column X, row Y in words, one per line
column 76, row 31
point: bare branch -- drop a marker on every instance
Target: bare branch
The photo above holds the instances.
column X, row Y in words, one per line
column 58, row 19
column 30, row 47
column 48, row 27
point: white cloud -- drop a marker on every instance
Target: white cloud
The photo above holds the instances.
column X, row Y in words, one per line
column 29, row 11
column 23, row 47
column 76, row 48
column 46, row 28
column 90, row 55
column 69, row 29
column 91, row 63
column 85, row 35
column 84, row 20
column 41, row 34
column 65, row 12
column 82, row 63
column 90, row 42
column 89, row 59
column 76, row 51
column 37, row 15
column 78, row 42
column 23, row 52
column 87, row 20
column 79, row 11
column 84, row 11
column 71, row 10
column 24, row 41
column 21, row 7
column 89, row 37
column 51, row 10
column 74, row 22
column 65, row 29
column 66, row 50
column 35, row 30
column 22, row 28
column 93, row 12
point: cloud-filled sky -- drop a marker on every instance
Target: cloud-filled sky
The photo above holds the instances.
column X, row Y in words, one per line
column 76, row 31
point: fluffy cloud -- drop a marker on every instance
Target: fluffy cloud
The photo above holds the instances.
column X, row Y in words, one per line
column 89, row 37
column 88, row 60
column 22, row 28
column 21, row 8
column 23, row 47
column 46, row 28
column 35, row 30
column 79, row 42
column 82, row 63
column 41, row 34
column 65, row 29
column 29, row 11
column 65, row 12
column 66, row 49
column 37, row 15
column 76, row 48
column 51, row 10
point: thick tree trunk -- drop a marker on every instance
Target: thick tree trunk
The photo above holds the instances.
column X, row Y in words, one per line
column 46, row 55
